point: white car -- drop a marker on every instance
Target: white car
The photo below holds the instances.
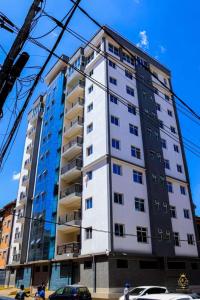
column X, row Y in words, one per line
column 170, row 296
column 144, row 290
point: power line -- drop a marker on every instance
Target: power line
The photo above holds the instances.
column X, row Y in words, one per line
column 147, row 68
column 40, row 220
column 19, row 117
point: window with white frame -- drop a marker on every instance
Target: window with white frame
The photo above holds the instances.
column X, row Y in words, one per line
column 137, row 176
column 130, row 91
column 116, row 144
column 141, row 234
column 117, row 169
column 173, row 211
column 177, row 239
column 89, row 150
column 190, row 239
column 139, row 204
column 88, row 203
column 118, row 198
column 133, row 129
column 90, row 128
column 186, row 213
column 113, row 80
column 169, row 187
column 119, row 229
column 114, row 120
column 88, row 233
column 135, row 152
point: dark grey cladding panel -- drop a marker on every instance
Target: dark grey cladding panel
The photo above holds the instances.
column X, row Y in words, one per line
column 160, row 220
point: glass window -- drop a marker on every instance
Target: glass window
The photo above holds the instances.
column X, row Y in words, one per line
column 186, row 213
column 163, row 144
column 132, row 109
column 166, row 163
column 113, row 99
column 112, row 64
column 183, row 190
column 176, row 239
column 119, row 229
column 130, row 91
column 190, row 238
column 115, row 120
column 133, row 129
column 129, row 75
column 179, row 168
column 89, row 150
column 90, row 107
column 118, row 198
column 139, row 204
column 173, row 211
column 169, row 112
column 89, row 175
column 117, row 169
column 169, row 187
column 90, row 89
column 176, row 148
column 137, row 176
column 173, row 130
column 141, row 234
column 88, row 203
column 116, row 144
column 89, row 127
column 113, row 80
column 135, row 152
column 88, row 233
column 158, row 107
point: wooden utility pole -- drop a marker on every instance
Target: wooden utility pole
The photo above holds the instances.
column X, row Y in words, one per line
column 17, row 46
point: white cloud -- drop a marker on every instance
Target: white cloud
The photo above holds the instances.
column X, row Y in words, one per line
column 137, row 1
column 162, row 49
column 16, row 176
column 144, row 41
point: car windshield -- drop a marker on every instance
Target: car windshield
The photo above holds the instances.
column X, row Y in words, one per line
column 136, row 291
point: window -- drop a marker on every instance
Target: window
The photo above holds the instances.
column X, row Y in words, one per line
column 113, row 49
column 176, row 148
column 90, row 58
column 190, row 238
column 129, row 90
column 161, row 125
column 135, row 152
column 113, row 99
column 112, row 64
column 88, row 233
column 87, row 264
column 141, row 234
column 116, row 144
column 129, row 75
column 113, row 80
column 183, row 190
column 91, row 73
column 132, row 109
column 176, row 239
column 158, row 107
column 90, row 89
column 89, row 128
column 133, row 129
column 118, row 198
column 90, row 107
column 117, row 169
column 166, row 163
column 173, row 211
column 165, row 81
column 169, row 187
column 128, row 58
column 89, row 150
column 169, row 112
column 119, row 229
column 139, row 204
column 167, row 97
column 115, row 120
column 122, row 263
column 163, row 144
column 89, row 175
column 137, row 177
column 173, row 130
column 88, row 203
column 179, row 168
column 186, row 213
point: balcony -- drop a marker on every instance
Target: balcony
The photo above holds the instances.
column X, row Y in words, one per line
column 70, row 249
column 71, row 222
column 71, row 196
column 72, row 170
column 29, row 148
column 27, row 164
column 25, row 180
column 22, row 198
column 76, row 108
column 31, row 132
column 73, row 148
column 76, row 91
column 18, row 237
column 75, row 127
column 20, row 218
column 16, row 257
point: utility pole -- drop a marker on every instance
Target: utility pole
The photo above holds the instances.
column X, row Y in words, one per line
column 17, row 46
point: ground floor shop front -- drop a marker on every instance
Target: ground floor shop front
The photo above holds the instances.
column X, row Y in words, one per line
column 104, row 275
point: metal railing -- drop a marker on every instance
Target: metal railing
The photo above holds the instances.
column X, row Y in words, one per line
column 77, row 163
column 70, row 216
column 68, row 248
column 79, row 101
column 77, row 141
column 72, row 189
column 80, row 83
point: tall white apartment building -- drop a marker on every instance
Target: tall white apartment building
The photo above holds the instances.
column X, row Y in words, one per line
column 125, row 210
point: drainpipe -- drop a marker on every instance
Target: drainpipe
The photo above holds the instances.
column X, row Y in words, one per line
column 94, row 273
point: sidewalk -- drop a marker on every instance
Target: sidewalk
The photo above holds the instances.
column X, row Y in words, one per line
column 11, row 292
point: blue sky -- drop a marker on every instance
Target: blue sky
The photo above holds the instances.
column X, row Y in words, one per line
column 167, row 29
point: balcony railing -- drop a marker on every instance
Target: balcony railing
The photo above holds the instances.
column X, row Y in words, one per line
column 29, row 148
column 73, row 189
column 31, row 131
column 77, row 163
column 27, row 162
column 80, row 84
column 71, row 216
column 22, row 196
column 77, row 141
column 16, row 257
column 25, row 178
column 68, row 248
column 17, row 235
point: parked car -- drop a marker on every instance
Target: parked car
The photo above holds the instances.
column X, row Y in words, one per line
column 169, row 296
column 144, row 290
column 71, row 292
